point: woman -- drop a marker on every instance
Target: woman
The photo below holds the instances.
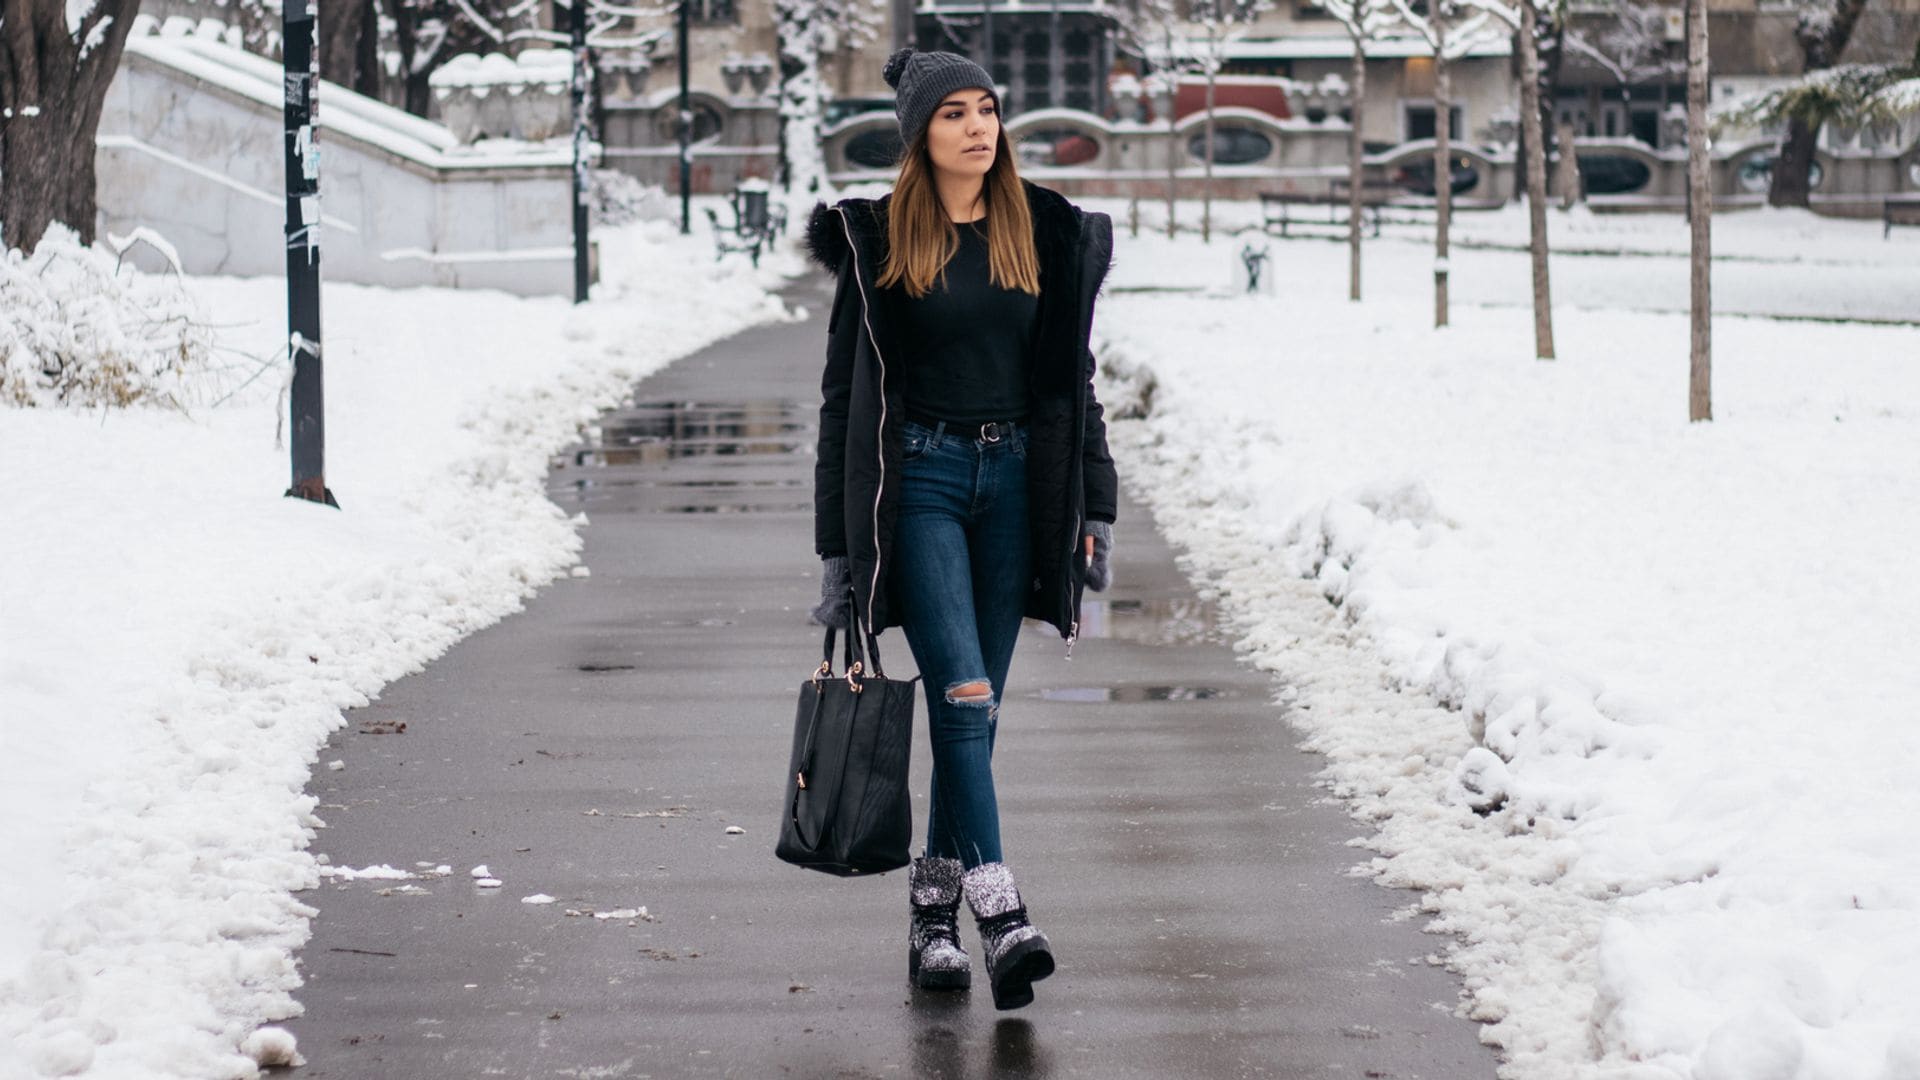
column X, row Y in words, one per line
column 963, row 479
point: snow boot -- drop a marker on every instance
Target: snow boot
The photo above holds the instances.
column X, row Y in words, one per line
column 935, row 960
column 1017, row 952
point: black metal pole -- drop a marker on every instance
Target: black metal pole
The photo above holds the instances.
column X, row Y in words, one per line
column 577, row 18
column 686, row 127
column 986, row 46
column 306, row 404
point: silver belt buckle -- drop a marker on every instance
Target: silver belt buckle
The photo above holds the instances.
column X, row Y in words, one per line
column 990, row 433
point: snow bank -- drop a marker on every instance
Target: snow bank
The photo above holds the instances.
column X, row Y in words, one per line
column 179, row 639
column 1674, row 661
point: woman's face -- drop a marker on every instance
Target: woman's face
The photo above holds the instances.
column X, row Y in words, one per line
column 964, row 133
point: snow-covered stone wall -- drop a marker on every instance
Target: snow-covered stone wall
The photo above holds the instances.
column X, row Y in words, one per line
column 191, row 145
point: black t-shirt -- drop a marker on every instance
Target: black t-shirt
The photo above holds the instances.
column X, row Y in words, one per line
column 967, row 342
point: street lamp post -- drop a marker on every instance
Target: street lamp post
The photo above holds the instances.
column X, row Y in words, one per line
column 686, row 125
column 306, row 404
column 577, row 24
column 986, row 33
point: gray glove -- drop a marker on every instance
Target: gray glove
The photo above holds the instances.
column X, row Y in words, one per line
column 836, row 578
column 1099, row 573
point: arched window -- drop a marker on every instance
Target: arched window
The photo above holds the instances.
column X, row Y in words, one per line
column 1062, row 146
column 1417, row 175
column 1613, row 174
column 1231, row 146
column 1755, row 174
column 875, row 148
column 707, row 121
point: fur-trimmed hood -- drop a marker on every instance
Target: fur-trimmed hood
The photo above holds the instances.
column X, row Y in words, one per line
column 1057, row 225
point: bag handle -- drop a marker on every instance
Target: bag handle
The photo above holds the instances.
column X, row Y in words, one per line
column 861, row 645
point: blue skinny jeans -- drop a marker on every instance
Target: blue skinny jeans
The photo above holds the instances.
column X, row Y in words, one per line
column 960, row 569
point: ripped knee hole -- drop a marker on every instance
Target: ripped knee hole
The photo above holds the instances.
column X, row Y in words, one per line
column 973, row 692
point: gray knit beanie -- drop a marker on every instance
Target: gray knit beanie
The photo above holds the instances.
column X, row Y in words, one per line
column 922, row 80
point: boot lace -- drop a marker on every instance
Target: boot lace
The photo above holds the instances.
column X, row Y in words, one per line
column 936, row 922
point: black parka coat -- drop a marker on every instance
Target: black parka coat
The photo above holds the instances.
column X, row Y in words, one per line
column 1070, row 474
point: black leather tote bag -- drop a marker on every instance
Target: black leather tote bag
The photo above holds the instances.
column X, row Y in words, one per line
column 847, row 807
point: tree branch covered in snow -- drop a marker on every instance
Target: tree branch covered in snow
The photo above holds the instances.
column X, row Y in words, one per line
column 83, row 330
column 1470, row 24
column 1364, row 20
column 1849, row 94
column 804, row 30
column 1633, row 48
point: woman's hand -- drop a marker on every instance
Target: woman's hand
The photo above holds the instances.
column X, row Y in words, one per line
column 1098, row 547
column 836, row 580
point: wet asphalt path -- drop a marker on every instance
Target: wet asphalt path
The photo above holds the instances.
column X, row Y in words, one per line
column 597, row 748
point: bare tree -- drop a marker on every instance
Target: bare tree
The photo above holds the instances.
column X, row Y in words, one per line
column 1700, row 203
column 1526, row 26
column 1451, row 29
column 1221, row 23
column 1364, row 21
column 56, row 62
column 1632, row 47
column 1147, row 29
column 1535, row 150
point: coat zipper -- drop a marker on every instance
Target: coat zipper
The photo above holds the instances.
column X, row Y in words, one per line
column 880, row 442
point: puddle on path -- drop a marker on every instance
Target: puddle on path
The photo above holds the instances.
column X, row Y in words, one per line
column 657, row 432
column 630, row 449
column 1132, row 695
column 1163, row 621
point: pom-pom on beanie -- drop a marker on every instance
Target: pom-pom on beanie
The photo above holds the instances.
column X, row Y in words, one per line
column 922, row 80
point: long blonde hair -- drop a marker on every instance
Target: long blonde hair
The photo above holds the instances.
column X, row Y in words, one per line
column 921, row 238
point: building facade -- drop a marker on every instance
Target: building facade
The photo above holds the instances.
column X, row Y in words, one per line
column 1078, row 80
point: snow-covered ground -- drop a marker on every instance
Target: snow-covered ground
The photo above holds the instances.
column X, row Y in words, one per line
column 1773, row 263
column 179, row 639
column 1671, row 664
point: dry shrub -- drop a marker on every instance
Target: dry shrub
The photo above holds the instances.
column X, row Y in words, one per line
column 79, row 328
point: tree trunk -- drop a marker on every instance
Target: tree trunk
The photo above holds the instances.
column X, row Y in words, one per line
column 1442, row 164
column 1821, row 44
column 340, row 31
column 1700, row 199
column 1173, row 134
column 367, row 73
column 403, row 39
column 54, row 94
column 1536, row 168
column 1356, row 168
column 1206, row 189
column 1793, row 170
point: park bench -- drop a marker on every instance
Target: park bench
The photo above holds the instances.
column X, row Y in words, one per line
column 1277, row 209
column 1898, row 212
column 735, row 237
column 756, row 221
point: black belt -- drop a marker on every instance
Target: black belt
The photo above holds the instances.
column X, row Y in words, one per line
column 990, row 431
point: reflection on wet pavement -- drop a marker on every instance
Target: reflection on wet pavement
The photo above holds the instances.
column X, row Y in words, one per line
column 624, row 460
column 1175, row 621
column 1132, row 695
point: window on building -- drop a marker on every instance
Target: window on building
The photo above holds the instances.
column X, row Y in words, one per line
column 1231, row 146
column 1058, row 147
column 707, row 122
column 713, row 12
column 878, row 148
column 1419, row 120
